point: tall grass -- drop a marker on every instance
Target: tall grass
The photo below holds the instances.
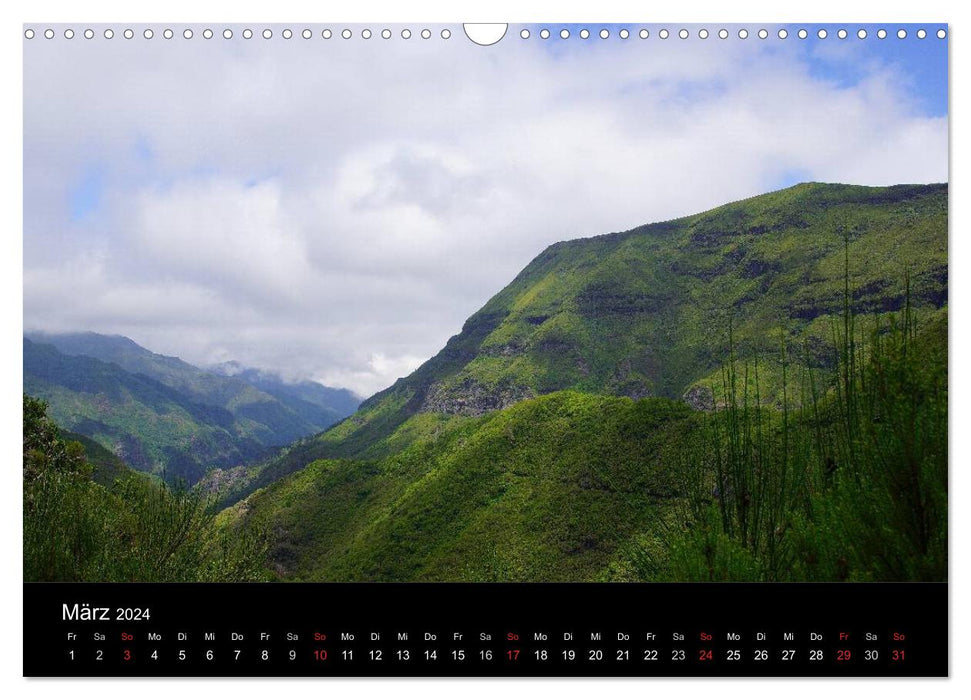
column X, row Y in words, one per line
column 849, row 482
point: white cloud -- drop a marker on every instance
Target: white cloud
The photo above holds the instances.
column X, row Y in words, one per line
column 223, row 234
column 336, row 210
column 379, row 368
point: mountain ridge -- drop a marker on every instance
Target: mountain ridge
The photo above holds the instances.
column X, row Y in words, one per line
column 556, row 437
column 668, row 291
column 193, row 419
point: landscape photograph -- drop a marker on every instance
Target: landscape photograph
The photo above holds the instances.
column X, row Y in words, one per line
column 618, row 307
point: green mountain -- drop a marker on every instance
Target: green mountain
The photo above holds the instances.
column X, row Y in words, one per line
column 160, row 414
column 312, row 407
column 566, row 432
column 550, row 489
column 313, row 402
column 650, row 312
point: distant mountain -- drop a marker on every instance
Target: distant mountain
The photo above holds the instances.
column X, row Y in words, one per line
column 161, row 414
column 549, row 432
column 314, row 402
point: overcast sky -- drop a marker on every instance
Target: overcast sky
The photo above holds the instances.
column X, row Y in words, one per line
column 335, row 209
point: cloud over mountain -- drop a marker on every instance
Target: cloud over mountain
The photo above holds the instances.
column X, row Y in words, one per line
column 336, row 209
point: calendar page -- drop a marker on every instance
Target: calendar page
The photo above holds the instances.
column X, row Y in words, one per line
column 485, row 350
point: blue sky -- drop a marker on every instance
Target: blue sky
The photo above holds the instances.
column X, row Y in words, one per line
column 86, row 194
column 919, row 64
column 922, row 61
column 336, row 209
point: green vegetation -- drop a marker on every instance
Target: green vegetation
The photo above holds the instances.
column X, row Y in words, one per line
column 647, row 312
column 528, row 449
column 230, row 386
column 133, row 529
column 163, row 416
column 106, row 467
column 758, row 392
column 851, row 487
column 548, row 489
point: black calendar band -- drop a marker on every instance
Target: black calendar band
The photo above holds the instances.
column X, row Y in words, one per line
column 647, row 630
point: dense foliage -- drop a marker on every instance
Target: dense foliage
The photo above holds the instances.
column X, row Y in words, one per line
column 851, row 487
column 135, row 529
column 549, row 489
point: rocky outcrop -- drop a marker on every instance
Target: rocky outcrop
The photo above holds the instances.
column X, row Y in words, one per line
column 513, row 348
column 470, row 398
column 700, row 398
column 220, row 481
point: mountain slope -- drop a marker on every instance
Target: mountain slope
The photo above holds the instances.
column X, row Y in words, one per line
column 157, row 413
column 107, row 467
column 649, row 312
column 315, row 403
column 580, row 487
column 525, row 450
column 149, row 425
column 646, row 312
column 549, row 489
column 278, row 413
